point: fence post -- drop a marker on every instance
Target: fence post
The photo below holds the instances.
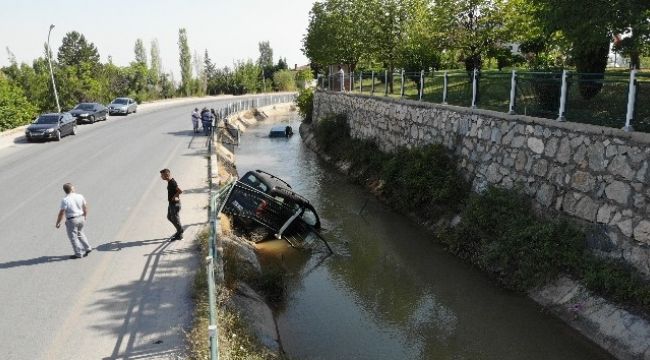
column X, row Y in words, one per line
column 385, row 82
column 360, row 82
column 444, row 88
column 421, row 83
column 372, row 85
column 563, row 95
column 474, row 88
column 631, row 101
column 401, row 94
column 513, row 92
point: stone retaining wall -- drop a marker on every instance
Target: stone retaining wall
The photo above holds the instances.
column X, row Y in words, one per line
column 596, row 174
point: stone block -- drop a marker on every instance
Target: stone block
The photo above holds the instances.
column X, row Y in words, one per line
column 604, row 214
column 626, row 227
column 642, row 232
column 546, row 195
column 619, row 192
column 621, row 166
column 518, row 141
column 583, row 181
column 551, row 147
column 540, row 167
column 520, row 161
column 564, row 151
column 586, row 208
column 536, row 145
column 596, row 155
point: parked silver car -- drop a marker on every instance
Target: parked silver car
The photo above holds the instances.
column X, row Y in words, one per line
column 122, row 105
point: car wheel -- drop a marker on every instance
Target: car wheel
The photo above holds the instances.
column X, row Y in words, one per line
column 91, row 119
column 135, row 110
column 58, row 136
column 74, row 130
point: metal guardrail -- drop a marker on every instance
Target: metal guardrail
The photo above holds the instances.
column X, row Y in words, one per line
column 214, row 260
column 615, row 99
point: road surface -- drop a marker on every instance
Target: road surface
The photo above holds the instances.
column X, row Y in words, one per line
column 130, row 297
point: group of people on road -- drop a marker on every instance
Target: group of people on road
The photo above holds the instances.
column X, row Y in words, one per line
column 75, row 211
column 206, row 117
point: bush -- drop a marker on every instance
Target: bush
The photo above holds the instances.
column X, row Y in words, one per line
column 284, row 80
column 15, row 110
column 305, row 103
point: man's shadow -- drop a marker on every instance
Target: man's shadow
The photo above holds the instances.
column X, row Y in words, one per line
column 35, row 261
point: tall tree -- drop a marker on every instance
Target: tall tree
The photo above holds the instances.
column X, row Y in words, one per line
column 473, row 27
column 265, row 61
column 185, row 60
column 140, row 53
column 76, row 50
column 210, row 73
column 338, row 32
column 155, row 70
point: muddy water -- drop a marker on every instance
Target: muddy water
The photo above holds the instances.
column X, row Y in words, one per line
column 390, row 292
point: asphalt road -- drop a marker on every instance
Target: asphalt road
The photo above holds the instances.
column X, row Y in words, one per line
column 130, row 297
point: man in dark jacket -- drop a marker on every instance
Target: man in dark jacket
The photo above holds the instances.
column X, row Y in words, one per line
column 174, row 207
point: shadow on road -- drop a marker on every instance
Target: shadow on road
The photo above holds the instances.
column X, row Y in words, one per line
column 119, row 245
column 35, row 261
column 147, row 315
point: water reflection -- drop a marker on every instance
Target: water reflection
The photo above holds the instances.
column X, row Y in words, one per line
column 390, row 292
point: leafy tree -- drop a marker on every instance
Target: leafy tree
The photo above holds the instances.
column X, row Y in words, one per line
column 15, row 110
column 140, row 53
column 210, row 73
column 303, row 77
column 246, row 77
column 75, row 50
column 282, row 65
column 156, row 63
column 473, row 27
column 265, row 61
column 185, row 60
column 284, row 80
column 338, row 32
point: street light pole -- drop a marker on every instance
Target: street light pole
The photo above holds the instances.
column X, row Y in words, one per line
column 49, row 51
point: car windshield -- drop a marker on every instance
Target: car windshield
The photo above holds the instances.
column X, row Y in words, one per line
column 47, row 119
column 84, row 107
column 120, row 101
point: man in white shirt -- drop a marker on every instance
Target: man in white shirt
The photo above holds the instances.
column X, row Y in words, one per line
column 75, row 210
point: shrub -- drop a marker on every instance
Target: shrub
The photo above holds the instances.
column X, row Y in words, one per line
column 284, row 80
column 305, row 103
column 15, row 110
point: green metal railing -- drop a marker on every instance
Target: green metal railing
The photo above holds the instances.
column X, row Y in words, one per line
column 214, row 260
column 614, row 99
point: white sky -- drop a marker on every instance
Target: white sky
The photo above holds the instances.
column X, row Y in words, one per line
column 230, row 30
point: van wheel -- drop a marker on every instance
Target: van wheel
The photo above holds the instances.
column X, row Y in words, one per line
column 58, row 136
column 91, row 119
column 74, row 130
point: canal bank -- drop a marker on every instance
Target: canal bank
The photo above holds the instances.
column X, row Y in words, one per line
column 615, row 329
column 389, row 291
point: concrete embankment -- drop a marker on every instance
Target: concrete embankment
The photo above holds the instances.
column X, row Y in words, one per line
column 241, row 267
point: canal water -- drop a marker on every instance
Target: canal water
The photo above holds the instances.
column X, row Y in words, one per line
column 389, row 291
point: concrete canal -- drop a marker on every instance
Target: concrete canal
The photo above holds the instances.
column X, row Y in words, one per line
column 390, row 292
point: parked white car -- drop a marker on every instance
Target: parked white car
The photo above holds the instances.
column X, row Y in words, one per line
column 122, row 105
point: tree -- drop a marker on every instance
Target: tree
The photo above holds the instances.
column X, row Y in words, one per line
column 339, row 32
column 76, row 50
column 303, row 77
column 473, row 27
column 156, row 63
column 282, row 64
column 210, row 73
column 140, row 53
column 284, row 80
column 15, row 110
column 185, row 60
column 265, row 61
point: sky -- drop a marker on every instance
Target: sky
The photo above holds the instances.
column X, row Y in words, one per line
column 229, row 30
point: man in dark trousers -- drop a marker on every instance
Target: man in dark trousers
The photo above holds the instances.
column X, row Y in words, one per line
column 174, row 207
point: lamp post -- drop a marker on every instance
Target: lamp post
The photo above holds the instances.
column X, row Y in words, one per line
column 56, row 96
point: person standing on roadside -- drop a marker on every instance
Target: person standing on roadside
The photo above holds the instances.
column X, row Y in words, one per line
column 75, row 210
column 206, row 121
column 174, row 207
column 195, row 120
